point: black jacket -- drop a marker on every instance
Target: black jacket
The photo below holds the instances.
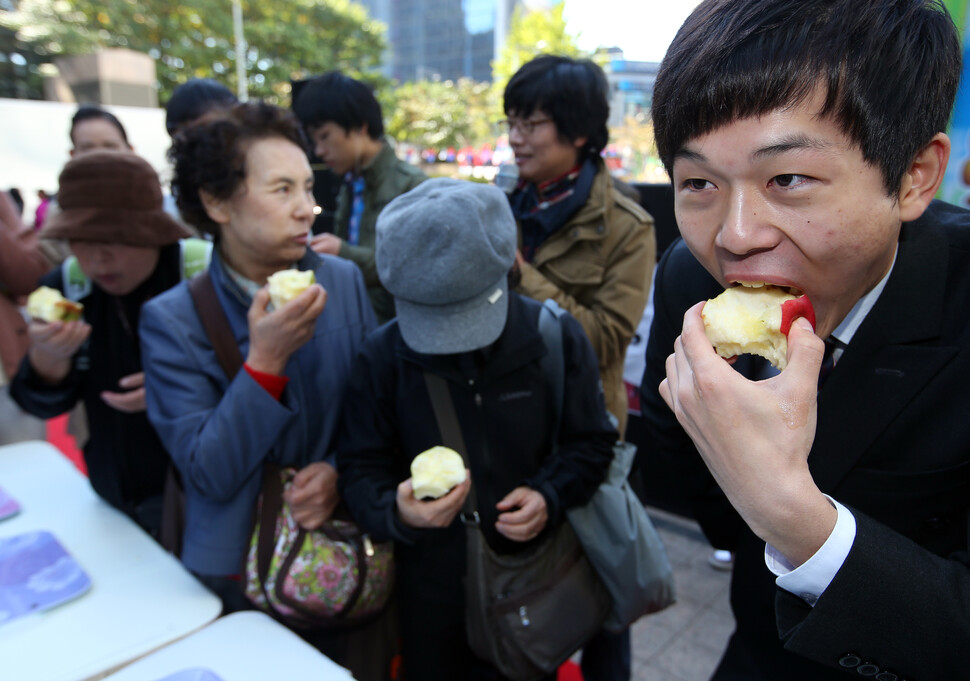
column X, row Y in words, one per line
column 506, row 412
column 892, row 444
column 125, row 459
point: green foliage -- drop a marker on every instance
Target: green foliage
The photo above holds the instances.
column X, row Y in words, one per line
column 532, row 34
column 287, row 39
column 436, row 114
column 19, row 67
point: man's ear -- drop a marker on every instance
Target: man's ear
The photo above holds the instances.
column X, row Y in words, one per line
column 214, row 208
column 923, row 178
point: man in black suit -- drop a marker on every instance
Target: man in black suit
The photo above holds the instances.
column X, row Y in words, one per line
column 805, row 143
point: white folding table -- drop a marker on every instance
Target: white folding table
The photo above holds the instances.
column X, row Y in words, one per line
column 141, row 598
column 244, row 646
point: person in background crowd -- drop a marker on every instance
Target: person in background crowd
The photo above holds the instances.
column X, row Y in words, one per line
column 805, row 142
column 21, row 265
column 94, row 128
column 242, row 174
column 189, row 102
column 127, row 251
column 444, row 250
column 581, row 242
column 43, row 208
column 344, row 122
column 193, row 99
column 18, row 201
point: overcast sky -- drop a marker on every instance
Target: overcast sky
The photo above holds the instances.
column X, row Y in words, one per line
column 642, row 28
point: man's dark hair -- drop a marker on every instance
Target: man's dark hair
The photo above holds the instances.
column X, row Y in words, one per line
column 339, row 99
column 87, row 112
column 192, row 99
column 573, row 92
column 888, row 69
column 211, row 154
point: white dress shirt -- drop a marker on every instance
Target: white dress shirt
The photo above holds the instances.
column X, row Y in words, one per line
column 809, row 580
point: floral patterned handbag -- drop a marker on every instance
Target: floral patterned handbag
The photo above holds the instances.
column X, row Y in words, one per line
column 331, row 577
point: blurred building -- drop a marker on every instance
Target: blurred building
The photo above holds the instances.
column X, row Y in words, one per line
column 631, row 87
column 443, row 39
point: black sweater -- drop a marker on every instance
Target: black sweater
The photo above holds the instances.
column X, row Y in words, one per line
column 125, row 459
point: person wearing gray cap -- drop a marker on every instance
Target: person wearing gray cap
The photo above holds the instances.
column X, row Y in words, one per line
column 444, row 250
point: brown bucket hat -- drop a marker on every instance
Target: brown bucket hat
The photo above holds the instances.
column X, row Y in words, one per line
column 113, row 197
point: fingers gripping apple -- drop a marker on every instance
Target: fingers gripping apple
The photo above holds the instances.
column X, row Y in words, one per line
column 754, row 319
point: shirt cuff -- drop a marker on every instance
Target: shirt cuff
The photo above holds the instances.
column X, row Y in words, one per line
column 271, row 383
column 809, row 580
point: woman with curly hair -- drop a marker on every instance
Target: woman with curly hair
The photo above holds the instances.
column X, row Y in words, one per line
column 242, row 175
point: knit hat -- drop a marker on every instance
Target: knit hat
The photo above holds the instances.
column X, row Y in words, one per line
column 444, row 250
column 113, row 197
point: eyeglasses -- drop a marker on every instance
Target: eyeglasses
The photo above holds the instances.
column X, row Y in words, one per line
column 525, row 126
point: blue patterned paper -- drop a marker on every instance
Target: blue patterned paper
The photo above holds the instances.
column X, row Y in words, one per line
column 36, row 573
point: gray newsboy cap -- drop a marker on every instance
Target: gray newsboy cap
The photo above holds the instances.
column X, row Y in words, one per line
column 444, row 250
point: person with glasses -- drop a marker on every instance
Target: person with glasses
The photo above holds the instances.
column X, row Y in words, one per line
column 581, row 242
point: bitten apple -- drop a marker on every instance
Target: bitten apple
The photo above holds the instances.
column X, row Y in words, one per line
column 755, row 319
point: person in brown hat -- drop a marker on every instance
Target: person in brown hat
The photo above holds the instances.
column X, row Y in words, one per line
column 125, row 250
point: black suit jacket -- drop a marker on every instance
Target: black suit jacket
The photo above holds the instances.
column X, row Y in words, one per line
column 892, row 444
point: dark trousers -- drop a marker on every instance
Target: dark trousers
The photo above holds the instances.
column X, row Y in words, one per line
column 435, row 647
column 230, row 590
column 606, row 657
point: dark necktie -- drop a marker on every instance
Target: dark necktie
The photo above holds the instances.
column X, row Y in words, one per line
column 828, row 361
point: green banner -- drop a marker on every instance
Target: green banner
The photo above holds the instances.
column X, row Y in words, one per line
column 956, row 182
column 957, row 10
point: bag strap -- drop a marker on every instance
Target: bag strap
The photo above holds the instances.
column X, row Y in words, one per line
column 553, row 362
column 448, row 426
column 270, row 508
column 216, row 324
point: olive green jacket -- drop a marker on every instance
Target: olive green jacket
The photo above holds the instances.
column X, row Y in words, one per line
column 598, row 267
column 385, row 178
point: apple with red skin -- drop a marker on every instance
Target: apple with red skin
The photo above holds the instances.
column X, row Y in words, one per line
column 793, row 309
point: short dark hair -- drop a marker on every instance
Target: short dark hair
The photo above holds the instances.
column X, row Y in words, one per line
column 573, row 92
column 87, row 112
column 211, row 155
column 192, row 99
column 336, row 98
column 890, row 70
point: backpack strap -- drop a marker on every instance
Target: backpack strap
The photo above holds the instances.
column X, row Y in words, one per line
column 451, row 434
column 194, row 256
column 553, row 362
column 76, row 282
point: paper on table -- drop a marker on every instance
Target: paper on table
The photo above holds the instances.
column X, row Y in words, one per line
column 193, row 675
column 36, row 573
column 8, row 505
